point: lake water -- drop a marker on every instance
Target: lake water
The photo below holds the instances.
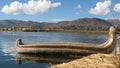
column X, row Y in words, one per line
column 10, row 59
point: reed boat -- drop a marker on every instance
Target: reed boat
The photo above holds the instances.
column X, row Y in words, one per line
column 70, row 48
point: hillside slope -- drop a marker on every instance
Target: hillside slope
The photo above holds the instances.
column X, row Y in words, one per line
column 79, row 24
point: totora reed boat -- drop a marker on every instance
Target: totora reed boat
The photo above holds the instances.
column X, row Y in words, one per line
column 70, row 48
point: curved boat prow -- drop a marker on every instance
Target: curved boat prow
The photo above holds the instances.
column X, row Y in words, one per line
column 19, row 42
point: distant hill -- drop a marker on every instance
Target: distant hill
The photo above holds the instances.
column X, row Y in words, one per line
column 114, row 21
column 85, row 24
column 79, row 24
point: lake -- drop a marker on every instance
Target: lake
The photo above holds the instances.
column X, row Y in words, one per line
column 10, row 59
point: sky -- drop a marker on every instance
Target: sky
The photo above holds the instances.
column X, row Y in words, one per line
column 58, row 10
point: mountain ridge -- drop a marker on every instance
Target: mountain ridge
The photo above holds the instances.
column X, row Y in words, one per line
column 79, row 24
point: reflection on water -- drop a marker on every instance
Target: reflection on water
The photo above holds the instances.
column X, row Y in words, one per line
column 8, row 49
column 9, row 57
column 48, row 59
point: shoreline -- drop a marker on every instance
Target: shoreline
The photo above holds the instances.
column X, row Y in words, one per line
column 65, row 31
column 93, row 61
column 70, row 31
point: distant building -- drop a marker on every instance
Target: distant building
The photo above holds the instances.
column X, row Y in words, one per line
column 14, row 29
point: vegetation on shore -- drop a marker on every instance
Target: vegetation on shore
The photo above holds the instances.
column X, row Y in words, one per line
column 118, row 61
column 70, row 31
column 92, row 61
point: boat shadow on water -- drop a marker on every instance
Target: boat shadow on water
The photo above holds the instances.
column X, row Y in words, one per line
column 45, row 58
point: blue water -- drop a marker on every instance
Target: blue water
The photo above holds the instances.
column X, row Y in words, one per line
column 8, row 53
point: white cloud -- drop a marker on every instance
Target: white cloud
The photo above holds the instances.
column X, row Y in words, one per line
column 117, row 7
column 117, row 18
column 78, row 6
column 77, row 13
column 32, row 7
column 54, row 5
column 102, row 8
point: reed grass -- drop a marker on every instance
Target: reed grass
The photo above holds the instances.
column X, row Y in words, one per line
column 118, row 55
column 71, row 31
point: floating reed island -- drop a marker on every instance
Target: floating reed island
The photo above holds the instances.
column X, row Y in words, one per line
column 70, row 48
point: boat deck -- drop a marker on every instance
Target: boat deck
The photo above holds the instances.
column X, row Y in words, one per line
column 60, row 45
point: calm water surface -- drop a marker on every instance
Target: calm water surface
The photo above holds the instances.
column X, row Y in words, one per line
column 10, row 59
